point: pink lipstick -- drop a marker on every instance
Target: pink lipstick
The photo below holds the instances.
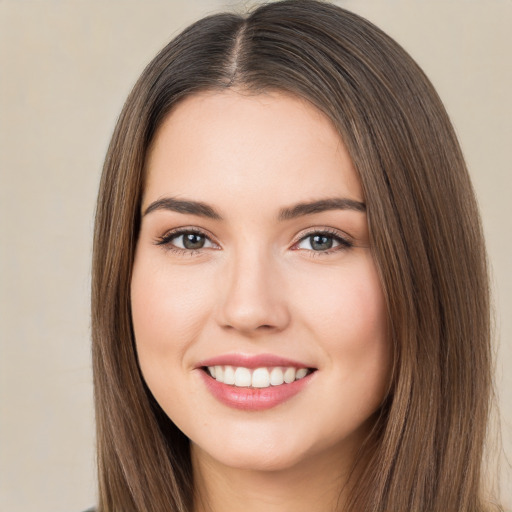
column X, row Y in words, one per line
column 256, row 382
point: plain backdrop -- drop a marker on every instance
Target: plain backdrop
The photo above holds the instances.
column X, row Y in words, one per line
column 66, row 67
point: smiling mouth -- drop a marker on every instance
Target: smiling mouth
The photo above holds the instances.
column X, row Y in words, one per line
column 264, row 377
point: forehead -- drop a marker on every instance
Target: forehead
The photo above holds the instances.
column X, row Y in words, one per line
column 221, row 145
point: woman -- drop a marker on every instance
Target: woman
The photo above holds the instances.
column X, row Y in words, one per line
column 290, row 295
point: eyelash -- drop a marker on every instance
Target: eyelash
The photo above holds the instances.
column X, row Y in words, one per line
column 343, row 243
column 166, row 240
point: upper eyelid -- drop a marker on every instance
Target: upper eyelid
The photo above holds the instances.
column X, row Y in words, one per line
column 171, row 233
column 323, row 230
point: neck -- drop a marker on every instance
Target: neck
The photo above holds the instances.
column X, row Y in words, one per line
column 316, row 484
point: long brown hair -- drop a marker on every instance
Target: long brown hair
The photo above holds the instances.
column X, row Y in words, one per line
column 426, row 449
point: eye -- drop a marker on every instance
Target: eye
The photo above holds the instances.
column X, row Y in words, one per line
column 188, row 240
column 323, row 242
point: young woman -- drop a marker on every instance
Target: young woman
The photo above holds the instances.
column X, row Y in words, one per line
column 290, row 295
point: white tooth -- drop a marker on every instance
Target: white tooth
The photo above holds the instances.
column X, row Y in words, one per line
column 260, row 378
column 211, row 369
column 301, row 373
column 242, row 377
column 289, row 375
column 219, row 373
column 276, row 376
column 229, row 375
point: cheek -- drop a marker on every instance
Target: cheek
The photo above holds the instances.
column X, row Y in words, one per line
column 169, row 308
column 349, row 296
column 345, row 311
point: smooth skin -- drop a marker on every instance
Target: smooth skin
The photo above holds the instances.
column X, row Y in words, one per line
column 239, row 277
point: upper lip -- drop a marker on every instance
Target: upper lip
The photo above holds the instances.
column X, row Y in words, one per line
column 252, row 361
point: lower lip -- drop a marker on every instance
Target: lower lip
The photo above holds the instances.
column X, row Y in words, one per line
column 254, row 399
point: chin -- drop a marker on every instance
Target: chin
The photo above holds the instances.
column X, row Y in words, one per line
column 249, row 456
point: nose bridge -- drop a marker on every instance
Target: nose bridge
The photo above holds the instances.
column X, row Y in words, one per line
column 253, row 295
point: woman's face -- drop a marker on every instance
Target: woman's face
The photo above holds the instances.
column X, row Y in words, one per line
column 259, row 318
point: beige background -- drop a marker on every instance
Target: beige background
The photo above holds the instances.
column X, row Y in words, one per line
column 65, row 69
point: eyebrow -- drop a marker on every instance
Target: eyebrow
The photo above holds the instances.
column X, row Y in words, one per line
column 204, row 210
column 335, row 203
column 183, row 206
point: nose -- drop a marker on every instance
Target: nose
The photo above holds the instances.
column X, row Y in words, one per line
column 253, row 298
